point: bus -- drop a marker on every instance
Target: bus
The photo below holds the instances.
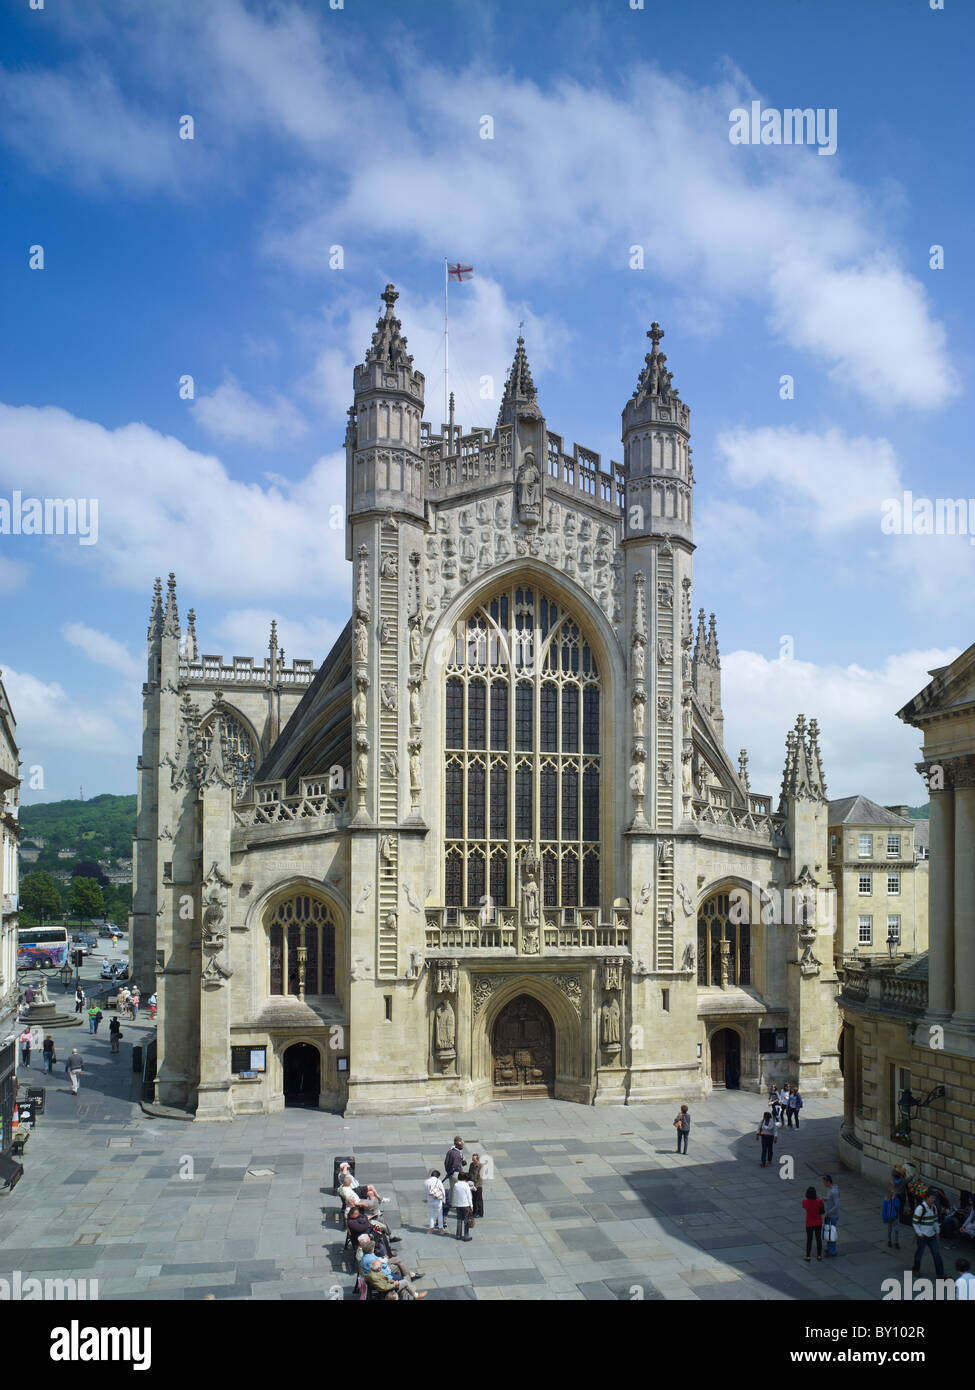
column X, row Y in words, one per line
column 41, row 948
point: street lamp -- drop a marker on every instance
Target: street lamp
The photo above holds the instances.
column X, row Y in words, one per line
column 892, row 941
column 65, row 973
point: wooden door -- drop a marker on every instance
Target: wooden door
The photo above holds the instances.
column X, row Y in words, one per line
column 523, row 1050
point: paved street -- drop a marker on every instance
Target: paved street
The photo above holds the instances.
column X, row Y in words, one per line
column 585, row 1203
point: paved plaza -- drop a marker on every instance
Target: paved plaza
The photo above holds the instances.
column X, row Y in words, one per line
column 585, row 1203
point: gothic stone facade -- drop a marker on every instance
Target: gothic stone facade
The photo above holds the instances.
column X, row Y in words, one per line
column 490, row 847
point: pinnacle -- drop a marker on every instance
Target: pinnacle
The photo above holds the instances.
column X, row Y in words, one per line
column 655, row 379
column 388, row 347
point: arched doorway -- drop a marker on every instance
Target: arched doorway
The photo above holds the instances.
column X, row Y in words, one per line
column 302, row 1075
column 523, row 1050
column 726, row 1059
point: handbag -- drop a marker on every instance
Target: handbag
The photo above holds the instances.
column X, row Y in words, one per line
column 829, row 1232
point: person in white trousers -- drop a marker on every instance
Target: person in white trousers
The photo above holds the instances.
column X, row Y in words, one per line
column 435, row 1195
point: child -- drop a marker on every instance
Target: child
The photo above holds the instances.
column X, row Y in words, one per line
column 890, row 1212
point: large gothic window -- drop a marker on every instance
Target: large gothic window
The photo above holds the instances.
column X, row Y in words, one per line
column 522, row 760
column 301, row 922
column 238, row 746
column 718, row 935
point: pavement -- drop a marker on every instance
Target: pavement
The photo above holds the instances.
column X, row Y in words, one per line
column 584, row 1203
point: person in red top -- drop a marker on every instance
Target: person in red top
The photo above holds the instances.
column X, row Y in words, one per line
column 815, row 1210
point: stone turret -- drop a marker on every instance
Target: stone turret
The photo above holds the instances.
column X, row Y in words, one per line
column 384, row 465
column 520, row 410
column 657, row 456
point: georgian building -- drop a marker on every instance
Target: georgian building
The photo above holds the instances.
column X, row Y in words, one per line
column 494, row 846
column 879, row 862
column 909, row 1028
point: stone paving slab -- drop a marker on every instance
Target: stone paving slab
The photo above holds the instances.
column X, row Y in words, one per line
column 586, row 1203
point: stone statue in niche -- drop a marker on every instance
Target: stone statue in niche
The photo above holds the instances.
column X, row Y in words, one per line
column 665, row 705
column 529, row 492
column 415, row 704
column 385, row 631
column 611, row 1022
column 362, row 762
column 415, row 773
column 665, row 594
column 529, row 890
column 664, row 649
column 687, row 961
column 359, row 704
column 388, row 695
column 388, row 567
column 639, row 716
column 360, row 641
column 639, row 656
column 390, row 764
column 444, row 1026
column 415, row 637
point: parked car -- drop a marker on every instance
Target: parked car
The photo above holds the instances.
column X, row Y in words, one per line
column 115, row 970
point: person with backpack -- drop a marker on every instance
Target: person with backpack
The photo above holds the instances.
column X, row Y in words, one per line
column 766, row 1132
column 795, row 1105
column 815, row 1210
column 890, row 1213
column 452, row 1165
column 682, row 1124
column 832, row 1214
column 115, row 1033
column 926, row 1223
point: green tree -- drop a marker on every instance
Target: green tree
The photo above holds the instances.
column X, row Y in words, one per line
column 40, row 896
column 85, row 898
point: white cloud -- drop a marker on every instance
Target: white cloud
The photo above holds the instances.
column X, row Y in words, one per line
column 866, row 748
column 576, row 173
column 164, row 506
column 231, row 413
column 830, row 480
column 103, row 650
column 49, row 717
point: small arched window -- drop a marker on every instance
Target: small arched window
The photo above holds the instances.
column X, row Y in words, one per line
column 717, row 936
column 239, row 752
column 301, row 942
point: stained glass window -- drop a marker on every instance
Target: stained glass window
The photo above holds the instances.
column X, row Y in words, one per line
column 301, row 920
column 522, row 734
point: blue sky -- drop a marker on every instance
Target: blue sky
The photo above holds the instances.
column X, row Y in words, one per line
column 360, row 127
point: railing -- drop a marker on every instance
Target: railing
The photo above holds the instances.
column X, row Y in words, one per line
column 898, row 993
column 244, row 671
column 881, row 989
column 716, row 809
column 315, row 801
column 855, row 988
column 562, row 929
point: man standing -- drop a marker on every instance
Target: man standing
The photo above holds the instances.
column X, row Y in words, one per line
column 452, row 1165
column 74, row 1067
column 926, row 1230
column 682, row 1124
column 832, row 1199
column 464, row 1202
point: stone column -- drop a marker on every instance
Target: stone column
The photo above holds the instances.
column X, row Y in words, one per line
column 964, row 914
column 849, row 1076
column 941, row 905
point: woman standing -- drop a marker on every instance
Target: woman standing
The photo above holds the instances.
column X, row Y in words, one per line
column 25, row 1041
column 49, row 1058
column 815, row 1211
column 773, row 1103
column 475, row 1179
column 79, row 1000
column 435, row 1195
column 766, row 1132
column 889, row 1214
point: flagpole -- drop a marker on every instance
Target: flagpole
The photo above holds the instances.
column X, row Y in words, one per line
column 445, row 340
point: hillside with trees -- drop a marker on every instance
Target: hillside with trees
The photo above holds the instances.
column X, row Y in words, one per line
column 80, row 844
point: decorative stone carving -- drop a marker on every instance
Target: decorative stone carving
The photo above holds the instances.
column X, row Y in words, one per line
column 416, row 776
column 445, row 977
column 688, row 959
column 415, row 704
column 665, row 708
column 388, row 695
column 361, row 763
column 666, row 773
column 687, row 902
column 408, row 895
column 613, row 971
column 385, row 630
column 386, row 847
column 415, row 633
column 639, row 714
column 665, row 594
column 646, row 893
column 362, row 583
column 529, row 869
column 570, row 986
column 529, row 941
column 390, row 764
column 389, row 566
column 365, row 893
column 482, row 987
column 213, row 933
column 529, row 492
column 360, row 705
column 664, row 650
column 639, row 655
